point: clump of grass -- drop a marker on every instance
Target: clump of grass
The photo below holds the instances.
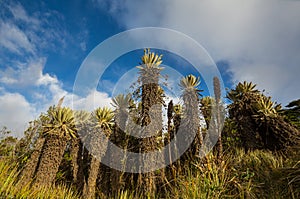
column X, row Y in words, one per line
column 256, row 167
column 272, row 175
column 288, row 178
column 211, row 179
column 239, row 175
column 9, row 187
column 126, row 194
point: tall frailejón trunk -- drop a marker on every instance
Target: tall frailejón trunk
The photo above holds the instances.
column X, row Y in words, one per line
column 151, row 119
column 98, row 146
column 218, row 126
column 30, row 168
column 76, row 153
column 170, row 135
column 191, row 122
column 52, row 155
column 118, row 137
column 191, row 119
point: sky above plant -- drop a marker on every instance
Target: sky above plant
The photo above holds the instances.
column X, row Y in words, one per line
column 44, row 43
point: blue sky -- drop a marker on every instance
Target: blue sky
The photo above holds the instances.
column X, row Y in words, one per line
column 44, row 43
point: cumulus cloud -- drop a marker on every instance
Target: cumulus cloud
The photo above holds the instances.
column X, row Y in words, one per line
column 259, row 39
column 15, row 112
column 26, row 74
column 17, row 109
column 92, row 101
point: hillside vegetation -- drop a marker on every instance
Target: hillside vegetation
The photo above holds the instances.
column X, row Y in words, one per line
column 256, row 154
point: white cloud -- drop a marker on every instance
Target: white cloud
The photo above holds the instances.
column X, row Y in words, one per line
column 46, row 79
column 8, row 80
column 31, row 34
column 27, row 74
column 15, row 112
column 13, row 39
column 259, row 39
column 92, row 101
column 20, row 13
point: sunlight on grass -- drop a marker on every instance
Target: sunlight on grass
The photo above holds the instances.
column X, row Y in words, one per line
column 11, row 189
